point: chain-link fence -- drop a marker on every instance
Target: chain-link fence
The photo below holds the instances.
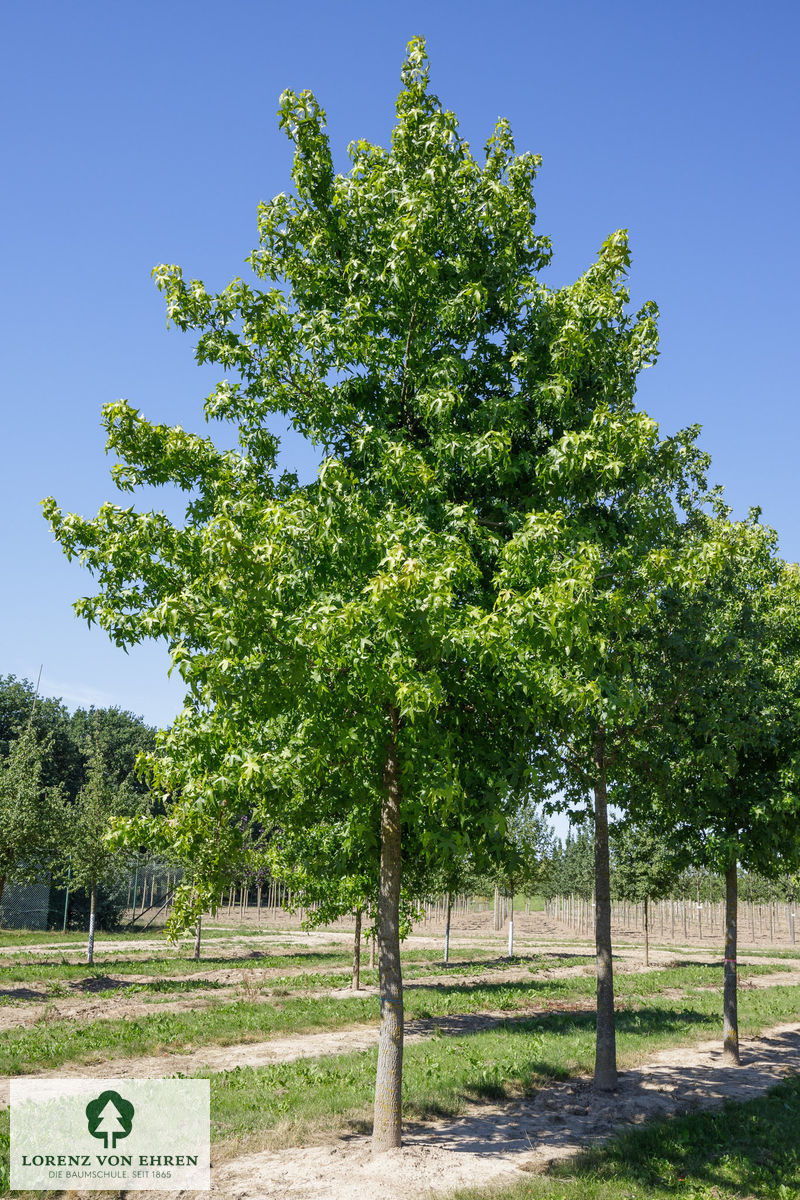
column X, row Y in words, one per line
column 26, row 906
column 138, row 899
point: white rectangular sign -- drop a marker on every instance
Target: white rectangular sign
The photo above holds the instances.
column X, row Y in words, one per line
column 110, row 1134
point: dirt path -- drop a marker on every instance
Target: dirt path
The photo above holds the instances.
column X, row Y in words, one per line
column 285, row 1049
column 349, row 1039
column 492, row 1143
column 31, row 1007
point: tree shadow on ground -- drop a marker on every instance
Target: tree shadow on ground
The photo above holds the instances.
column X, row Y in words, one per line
column 108, row 983
column 747, row 1149
column 743, row 1147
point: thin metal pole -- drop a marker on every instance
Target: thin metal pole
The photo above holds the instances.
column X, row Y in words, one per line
column 135, row 890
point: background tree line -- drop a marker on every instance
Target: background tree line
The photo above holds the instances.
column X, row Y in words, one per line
column 63, row 776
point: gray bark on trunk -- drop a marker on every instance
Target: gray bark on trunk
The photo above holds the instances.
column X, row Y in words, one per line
column 92, row 905
column 730, row 1030
column 356, row 981
column 387, row 1124
column 197, row 936
column 447, row 929
column 646, row 932
column 605, row 1063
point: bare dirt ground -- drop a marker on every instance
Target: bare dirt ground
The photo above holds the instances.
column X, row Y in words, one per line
column 468, row 929
column 284, row 1049
column 492, row 1143
column 31, row 1005
column 312, row 1045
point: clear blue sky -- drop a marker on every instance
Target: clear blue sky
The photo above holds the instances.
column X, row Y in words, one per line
column 141, row 133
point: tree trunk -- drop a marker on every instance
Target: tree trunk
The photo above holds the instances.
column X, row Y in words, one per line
column 258, row 902
column 447, row 929
column 646, row 933
column 387, row 1125
column 605, row 1063
column 356, row 981
column 92, row 905
column 197, row 936
column 511, row 927
column 730, row 1031
column 2, row 887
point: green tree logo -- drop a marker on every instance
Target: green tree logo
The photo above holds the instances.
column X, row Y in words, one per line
column 109, row 1116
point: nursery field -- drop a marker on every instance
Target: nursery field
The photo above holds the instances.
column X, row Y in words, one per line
column 497, row 1098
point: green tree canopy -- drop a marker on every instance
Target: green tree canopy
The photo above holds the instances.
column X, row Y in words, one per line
column 33, row 816
column 352, row 648
column 728, row 791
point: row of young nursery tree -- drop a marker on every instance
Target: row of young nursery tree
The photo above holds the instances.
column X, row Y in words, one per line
column 63, row 777
column 504, row 586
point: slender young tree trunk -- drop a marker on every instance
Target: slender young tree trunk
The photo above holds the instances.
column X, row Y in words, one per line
column 646, row 933
column 356, row 981
column 511, row 928
column 387, row 1125
column 730, row 1030
column 258, row 903
column 92, row 905
column 605, row 1063
column 197, row 936
column 447, row 904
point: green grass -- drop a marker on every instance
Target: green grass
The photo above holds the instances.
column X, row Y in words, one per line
column 167, row 964
column 745, row 1150
column 76, row 939
column 92, row 980
column 171, row 963
column 285, row 1103
column 10, row 938
column 772, row 953
column 52, row 1042
column 740, row 1152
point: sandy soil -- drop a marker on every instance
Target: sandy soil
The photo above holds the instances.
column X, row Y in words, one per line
column 312, row 1045
column 30, row 1006
column 487, row 1146
column 286, row 1049
column 492, row 1143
